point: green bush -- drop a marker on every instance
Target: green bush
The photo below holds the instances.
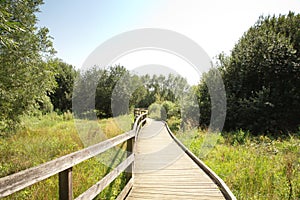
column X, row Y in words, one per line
column 156, row 111
column 171, row 109
column 174, row 124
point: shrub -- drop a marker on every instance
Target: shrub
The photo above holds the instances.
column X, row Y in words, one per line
column 156, row 111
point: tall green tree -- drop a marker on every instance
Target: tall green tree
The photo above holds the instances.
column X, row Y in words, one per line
column 61, row 97
column 94, row 89
column 83, row 99
column 163, row 88
column 105, row 88
column 262, row 77
column 25, row 74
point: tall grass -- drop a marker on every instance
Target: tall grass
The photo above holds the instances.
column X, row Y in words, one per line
column 253, row 167
column 48, row 137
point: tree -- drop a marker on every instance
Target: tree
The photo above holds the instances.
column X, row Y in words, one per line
column 163, row 88
column 106, row 86
column 212, row 100
column 8, row 26
column 83, row 99
column 25, row 74
column 94, row 89
column 61, row 97
column 262, row 77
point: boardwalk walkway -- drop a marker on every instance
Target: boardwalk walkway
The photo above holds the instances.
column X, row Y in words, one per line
column 164, row 171
column 163, row 168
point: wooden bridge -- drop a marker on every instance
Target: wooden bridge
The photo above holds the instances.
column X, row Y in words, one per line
column 158, row 166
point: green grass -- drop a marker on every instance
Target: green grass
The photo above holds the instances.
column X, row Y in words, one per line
column 252, row 167
column 48, row 137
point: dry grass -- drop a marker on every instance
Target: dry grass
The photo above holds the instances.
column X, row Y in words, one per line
column 43, row 139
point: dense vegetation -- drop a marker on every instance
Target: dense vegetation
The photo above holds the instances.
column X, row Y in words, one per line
column 115, row 91
column 26, row 73
column 61, row 97
column 262, row 78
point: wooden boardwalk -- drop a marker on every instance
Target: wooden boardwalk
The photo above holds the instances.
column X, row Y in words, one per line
column 158, row 166
column 162, row 170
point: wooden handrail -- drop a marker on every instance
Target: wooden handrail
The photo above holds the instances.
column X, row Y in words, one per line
column 93, row 191
column 220, row 183
column 63, row 166
column 141, row 119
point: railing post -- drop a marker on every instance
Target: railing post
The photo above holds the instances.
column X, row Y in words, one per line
column 130, row 145
column 145, row 116
column 65, row 185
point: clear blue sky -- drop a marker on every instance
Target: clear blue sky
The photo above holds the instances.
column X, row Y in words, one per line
column 79, row 26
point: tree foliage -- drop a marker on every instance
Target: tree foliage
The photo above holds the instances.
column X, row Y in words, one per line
column 115, row 91
column 160, row 88
column 262, row 77
column 25, row 74
column 94, row 88
column 61, row 97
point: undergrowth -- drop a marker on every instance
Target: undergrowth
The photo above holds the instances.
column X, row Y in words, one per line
column 47, row 137
column 253, row 167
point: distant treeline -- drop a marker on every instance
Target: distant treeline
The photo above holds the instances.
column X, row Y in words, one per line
column 115, row 91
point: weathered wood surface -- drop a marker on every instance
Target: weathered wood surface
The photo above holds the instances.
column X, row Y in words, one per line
column 93, row 191
column 125, row 190
column 164, row 171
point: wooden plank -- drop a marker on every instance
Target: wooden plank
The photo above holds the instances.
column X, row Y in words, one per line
column 125, row 190
column 187, row 192
column 15, row 182
column 65, row 185
column 93, row 191
column 177, row 195
column 174, row 196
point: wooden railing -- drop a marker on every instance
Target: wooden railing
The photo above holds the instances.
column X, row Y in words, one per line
column 63, row 166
